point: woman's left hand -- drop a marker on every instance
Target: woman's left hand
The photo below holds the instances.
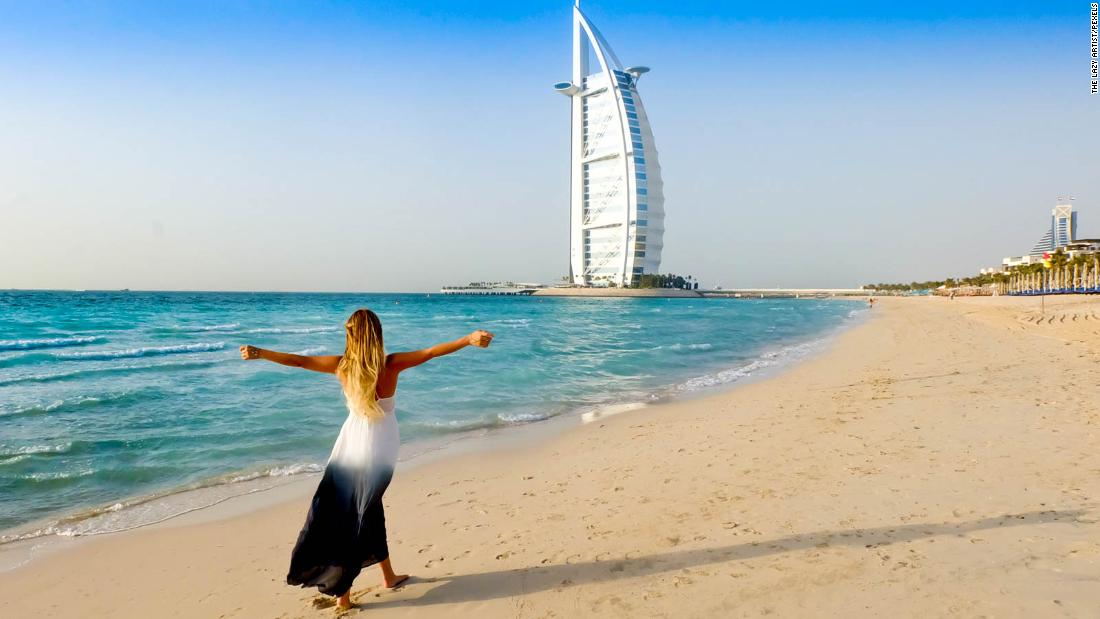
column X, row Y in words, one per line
column 480, row 338
column 249, row 353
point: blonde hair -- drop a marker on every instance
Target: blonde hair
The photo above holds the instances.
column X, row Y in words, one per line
column 362, row 363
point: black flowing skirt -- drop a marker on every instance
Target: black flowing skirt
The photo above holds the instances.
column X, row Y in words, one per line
column 344, row 532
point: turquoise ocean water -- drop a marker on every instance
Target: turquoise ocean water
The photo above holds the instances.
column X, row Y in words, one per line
column 112, row 401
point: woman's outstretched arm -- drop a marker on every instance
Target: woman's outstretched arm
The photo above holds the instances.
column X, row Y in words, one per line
column 404, row 360
column 325, row 363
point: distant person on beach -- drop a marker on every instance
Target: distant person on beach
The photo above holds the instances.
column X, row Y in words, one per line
column 870, row 303
column 345, row 530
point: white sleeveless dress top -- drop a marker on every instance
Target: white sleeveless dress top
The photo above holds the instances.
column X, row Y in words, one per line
column 368, row 444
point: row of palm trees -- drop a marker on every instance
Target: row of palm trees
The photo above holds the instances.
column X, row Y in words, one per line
column 910, row 287
column 657, row 280
column 1080, row 273
column 1065, row 273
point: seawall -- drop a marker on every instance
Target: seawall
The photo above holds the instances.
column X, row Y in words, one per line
column 617, row 292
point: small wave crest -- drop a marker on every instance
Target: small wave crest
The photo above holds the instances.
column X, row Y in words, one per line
column 451, row 426
column 79, row 402
column 452, row 317
column 49, row 476
column 10, row 453
column 278, row 471
column 230, row 326
column 686, row 347
column 121, row 369
column 518, row 418
column 766, row 360
column 293, row 330
column 145, row 351
column 53, row 342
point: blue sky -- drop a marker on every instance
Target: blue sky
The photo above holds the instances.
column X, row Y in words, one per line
column 401, row 146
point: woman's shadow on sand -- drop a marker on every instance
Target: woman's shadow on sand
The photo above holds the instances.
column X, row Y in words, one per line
column 508, row 583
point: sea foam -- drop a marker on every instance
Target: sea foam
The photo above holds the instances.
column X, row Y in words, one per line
column 53, row 342
column 80, row 402
column 147, row 351
column 232, row 326
column 293, row 330
column 27, row 450
column 114, row 369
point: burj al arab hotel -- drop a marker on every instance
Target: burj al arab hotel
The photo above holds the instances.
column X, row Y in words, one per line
column 616, row 200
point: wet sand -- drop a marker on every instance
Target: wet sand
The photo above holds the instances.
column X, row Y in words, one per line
column 941, row 459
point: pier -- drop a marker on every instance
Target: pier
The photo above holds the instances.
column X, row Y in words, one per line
column 504, row 291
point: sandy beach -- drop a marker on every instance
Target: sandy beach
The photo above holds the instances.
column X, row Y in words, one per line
column 940, row 459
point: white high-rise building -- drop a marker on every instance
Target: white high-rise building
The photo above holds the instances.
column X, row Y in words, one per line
column 616, row 197
column 1063, row 229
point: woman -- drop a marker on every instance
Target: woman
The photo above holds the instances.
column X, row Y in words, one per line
column 345, row 530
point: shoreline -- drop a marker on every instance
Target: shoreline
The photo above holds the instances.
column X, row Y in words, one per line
column 23, row 544
column 912, row 469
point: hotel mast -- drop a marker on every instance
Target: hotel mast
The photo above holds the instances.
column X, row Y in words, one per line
column 616, row 220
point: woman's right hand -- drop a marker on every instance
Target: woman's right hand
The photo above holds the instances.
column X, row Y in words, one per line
column 249, row 352
column 480, row 338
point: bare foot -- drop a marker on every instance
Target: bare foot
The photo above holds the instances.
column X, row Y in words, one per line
column 344, row 602
column 396, row 581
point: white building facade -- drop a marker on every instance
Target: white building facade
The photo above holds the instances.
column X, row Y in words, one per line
column 616, row 196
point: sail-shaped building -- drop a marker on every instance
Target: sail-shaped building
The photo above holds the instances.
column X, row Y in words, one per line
column 1062, row 231
column 616, row 197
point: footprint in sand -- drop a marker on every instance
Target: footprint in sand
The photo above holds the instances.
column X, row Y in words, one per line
column 324, row 601
column 679, row 581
